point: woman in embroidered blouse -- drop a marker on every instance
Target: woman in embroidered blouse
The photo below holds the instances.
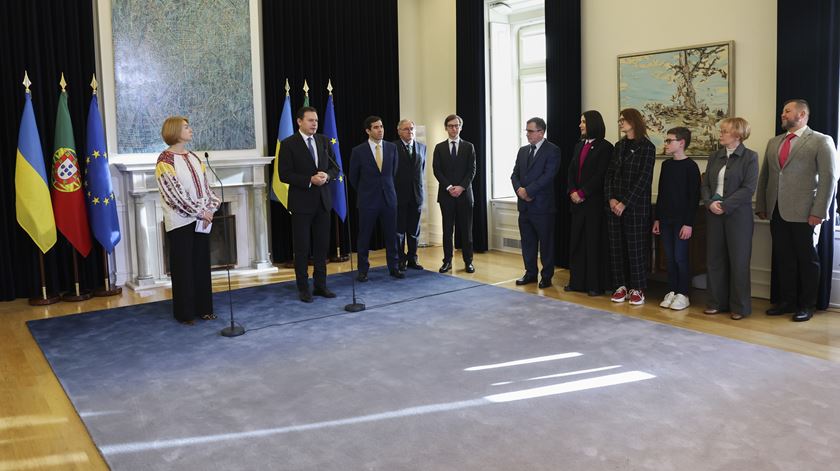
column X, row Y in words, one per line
column 188, row 207
column 627, row 190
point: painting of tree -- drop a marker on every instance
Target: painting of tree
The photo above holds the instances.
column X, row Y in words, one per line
column 689, row 87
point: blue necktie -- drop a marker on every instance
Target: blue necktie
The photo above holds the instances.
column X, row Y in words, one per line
column 312, row 152
column 454, row 152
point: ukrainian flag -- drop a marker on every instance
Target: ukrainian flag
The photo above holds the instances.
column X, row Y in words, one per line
column 280, row 190
column 32, row 195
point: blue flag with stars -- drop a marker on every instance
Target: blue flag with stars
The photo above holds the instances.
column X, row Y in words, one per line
column 102, row 205
column 338, row 200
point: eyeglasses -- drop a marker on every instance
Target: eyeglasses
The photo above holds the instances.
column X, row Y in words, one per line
column 668, row 141
column 406, row 129
column 621, row 120
column 531, row 131
column 453, row 126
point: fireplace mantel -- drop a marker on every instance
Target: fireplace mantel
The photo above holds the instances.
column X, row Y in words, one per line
column 243, row 182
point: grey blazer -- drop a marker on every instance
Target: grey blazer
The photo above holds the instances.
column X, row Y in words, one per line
column 806, row 184
column 739, row 179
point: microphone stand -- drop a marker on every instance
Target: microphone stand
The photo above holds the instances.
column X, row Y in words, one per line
column 355, row 306
column 233, row 330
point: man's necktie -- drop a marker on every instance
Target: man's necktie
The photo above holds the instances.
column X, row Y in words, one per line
column 312, row 152
column 378, row 157
column 531, row 155
column 408, row 150
column 454, row 152
column 784, row 152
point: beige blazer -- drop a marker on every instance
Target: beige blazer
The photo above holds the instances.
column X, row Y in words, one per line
column 806, row 184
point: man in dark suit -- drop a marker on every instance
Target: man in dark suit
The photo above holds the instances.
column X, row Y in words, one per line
column 533, row 176
column 454, row 168
column 411, row 190
column 373, row 167
column 307, row 164
column 796, row 185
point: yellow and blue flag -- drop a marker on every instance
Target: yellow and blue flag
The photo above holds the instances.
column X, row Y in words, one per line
column 280, row 190
column 102, row 204
column 337, row 188
column 32, row 195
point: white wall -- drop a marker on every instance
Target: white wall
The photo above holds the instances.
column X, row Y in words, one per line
column 427, row 84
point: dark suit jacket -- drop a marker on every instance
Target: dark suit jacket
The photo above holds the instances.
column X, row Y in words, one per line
column 374, row 189
column 295, row 166
column 538, row 178
column 591, row 180
column 630, row 174
column 739, row 179
column 457, row 172
column 411, row 181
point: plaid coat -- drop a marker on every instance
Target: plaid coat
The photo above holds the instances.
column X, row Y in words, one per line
column 629, row 176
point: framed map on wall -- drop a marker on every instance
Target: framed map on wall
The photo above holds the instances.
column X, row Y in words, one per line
column 183, row 58
column 690, row 86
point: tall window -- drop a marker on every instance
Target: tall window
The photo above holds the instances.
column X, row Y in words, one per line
column 517, row 82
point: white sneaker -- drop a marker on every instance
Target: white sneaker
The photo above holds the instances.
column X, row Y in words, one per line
column 669, row 298
column 680, row 302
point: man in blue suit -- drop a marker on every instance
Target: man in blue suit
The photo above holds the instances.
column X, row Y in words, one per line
column 533, row 180
column 373, row 167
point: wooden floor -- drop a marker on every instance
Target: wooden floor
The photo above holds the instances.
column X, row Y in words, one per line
column 39, row 428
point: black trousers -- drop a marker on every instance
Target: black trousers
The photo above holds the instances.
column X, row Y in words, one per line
column 460, row 211
column 587, row 254
column 189, row 268
column 797, row 260
column 536, row 231
column 311, row 231
column 629, row 238
column 408, row 231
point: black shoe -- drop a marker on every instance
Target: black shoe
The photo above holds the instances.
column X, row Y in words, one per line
column 781, row 309
column 445, row 267
column 305, row 296
column 415, row 266
column 362, row 277
column 803, row 315
column 569, row 288
column 545, row 283
column 401, row 266
column 469, row 268
column 397, row 274
column 594, row 293
column 323, row 292
column 526, row 279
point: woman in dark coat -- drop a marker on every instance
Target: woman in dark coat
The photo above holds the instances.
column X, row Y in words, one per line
column 587, row 246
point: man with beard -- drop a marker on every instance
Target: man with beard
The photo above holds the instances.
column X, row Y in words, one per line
column 795, row 188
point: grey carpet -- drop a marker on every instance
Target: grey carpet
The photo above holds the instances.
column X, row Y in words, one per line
column 409, row 386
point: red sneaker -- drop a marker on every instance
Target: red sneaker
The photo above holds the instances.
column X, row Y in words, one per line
column 620, row 295
column 637, row 297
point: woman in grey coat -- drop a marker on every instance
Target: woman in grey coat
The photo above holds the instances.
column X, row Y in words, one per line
column 727, row 191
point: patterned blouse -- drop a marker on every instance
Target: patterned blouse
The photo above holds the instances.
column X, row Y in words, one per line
column 183, row 187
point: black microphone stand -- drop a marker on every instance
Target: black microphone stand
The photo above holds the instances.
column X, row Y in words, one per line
column 355, row 306
column 233, row 330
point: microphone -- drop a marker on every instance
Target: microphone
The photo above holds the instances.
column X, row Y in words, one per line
column 232, row 330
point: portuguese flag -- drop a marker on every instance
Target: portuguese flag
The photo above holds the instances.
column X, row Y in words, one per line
column 67, row 197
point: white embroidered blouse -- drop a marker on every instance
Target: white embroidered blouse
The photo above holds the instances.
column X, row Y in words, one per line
column 184, row 190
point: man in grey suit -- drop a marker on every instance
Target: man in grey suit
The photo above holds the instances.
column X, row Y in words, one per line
column 795, row 187
column 411, row 190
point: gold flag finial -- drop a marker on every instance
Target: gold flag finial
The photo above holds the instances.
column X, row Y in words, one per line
column 287, row 87
column 329, row 86
column 63, row 84
column 305, row 88
column 93, row 84
column 26, row 82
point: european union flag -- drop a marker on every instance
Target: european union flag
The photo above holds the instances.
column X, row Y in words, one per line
column 338, row 200
column 102, row 204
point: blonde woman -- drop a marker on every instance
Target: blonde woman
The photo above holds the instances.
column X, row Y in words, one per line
column 188, row 207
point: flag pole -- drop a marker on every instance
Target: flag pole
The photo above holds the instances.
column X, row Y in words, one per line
column 45, row 298
column 79, row 294
column 108, row 290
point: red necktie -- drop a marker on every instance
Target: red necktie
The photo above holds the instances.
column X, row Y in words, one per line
column 784, row 152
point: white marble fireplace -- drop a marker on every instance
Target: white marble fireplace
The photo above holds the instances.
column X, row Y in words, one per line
column 140, row 254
